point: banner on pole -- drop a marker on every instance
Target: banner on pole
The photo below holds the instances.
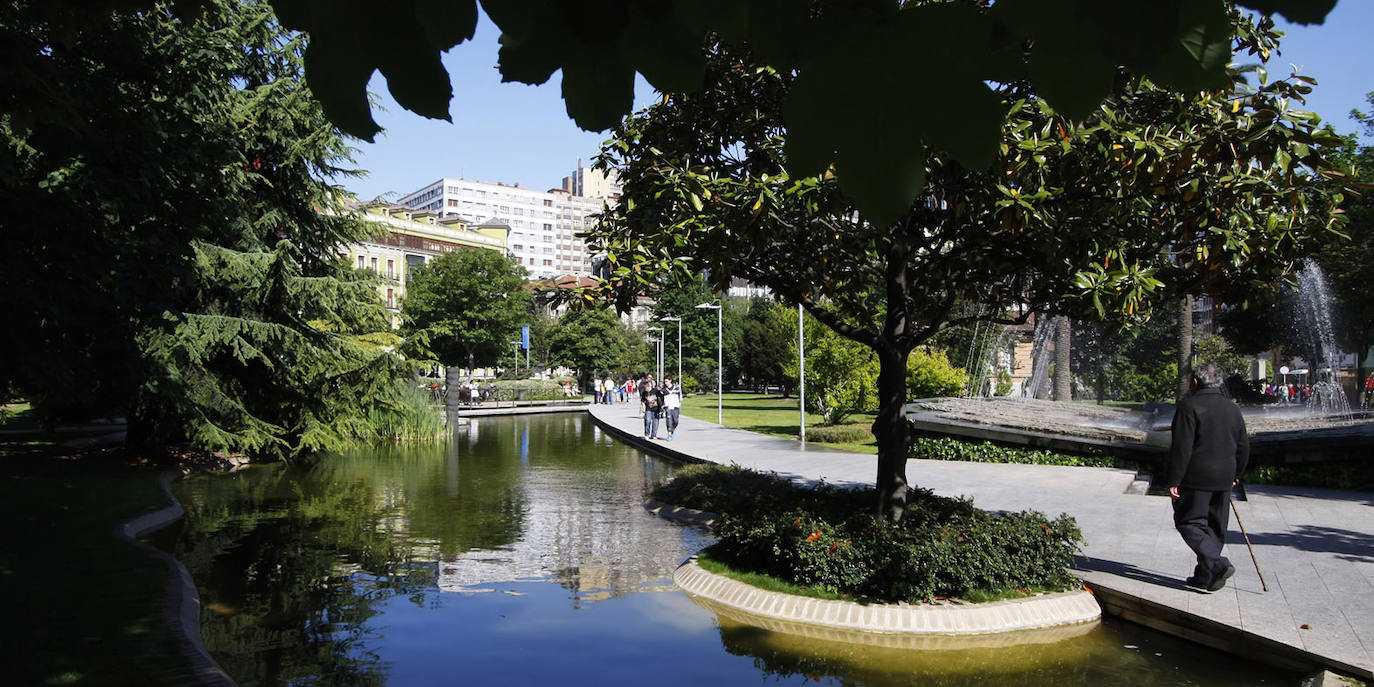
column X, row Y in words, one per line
column 525, row 337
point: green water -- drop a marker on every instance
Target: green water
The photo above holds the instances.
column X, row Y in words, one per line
column 519, row 554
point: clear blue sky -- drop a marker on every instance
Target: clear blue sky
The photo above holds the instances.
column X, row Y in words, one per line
column 514, row 133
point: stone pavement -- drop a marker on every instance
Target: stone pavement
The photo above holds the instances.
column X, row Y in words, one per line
column 1315, row 547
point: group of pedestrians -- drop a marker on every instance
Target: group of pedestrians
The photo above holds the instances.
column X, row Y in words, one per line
column 1289, row 393
column 660, row 401
column 607, row 390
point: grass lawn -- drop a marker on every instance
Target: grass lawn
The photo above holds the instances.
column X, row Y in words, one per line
column 765, row 414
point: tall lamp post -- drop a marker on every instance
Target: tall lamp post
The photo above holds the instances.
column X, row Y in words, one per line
column 720, row 388
column 658, row 352
column 515, row 356
column 801, row 368
column 678, row 320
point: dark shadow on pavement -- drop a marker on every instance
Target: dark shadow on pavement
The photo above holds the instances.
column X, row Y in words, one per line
column 1346, row 544
column 1128, row 571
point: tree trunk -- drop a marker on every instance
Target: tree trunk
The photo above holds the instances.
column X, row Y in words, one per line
column 1185, row 347
column 1063, row 376
column 1101, row 383
column 893, row 436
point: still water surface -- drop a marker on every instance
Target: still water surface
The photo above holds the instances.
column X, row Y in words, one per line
column 519, row 553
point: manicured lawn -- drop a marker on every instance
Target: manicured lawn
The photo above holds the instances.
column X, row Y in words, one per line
column 765, row 414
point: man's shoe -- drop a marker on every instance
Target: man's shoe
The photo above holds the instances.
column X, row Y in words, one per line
column 670, row 437
column 1220, row 580
column 1197, row 585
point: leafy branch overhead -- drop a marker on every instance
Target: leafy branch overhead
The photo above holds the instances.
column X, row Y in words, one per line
column 862, row 100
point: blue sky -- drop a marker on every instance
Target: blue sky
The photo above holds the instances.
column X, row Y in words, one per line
column 514, row 133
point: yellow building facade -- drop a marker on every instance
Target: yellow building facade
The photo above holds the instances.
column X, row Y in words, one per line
column 406, row 238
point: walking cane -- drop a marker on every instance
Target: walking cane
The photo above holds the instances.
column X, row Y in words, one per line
column 1248, row 546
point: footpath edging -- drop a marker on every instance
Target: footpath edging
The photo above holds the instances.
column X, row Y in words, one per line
column 182, row 610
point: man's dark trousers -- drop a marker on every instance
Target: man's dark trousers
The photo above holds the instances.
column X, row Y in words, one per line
column 1201, row 518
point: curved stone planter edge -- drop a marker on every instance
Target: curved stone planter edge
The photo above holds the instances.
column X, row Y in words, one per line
column 182, row 610
column 1055, row 610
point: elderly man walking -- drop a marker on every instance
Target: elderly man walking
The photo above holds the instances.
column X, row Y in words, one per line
column 1207, row 456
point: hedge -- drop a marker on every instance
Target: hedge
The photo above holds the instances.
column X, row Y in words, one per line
column 947, row 448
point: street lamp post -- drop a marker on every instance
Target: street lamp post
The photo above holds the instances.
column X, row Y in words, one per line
column 658, row 352
column 515, row 356
column 678, row 320
column 801, row 369
column 720, row 388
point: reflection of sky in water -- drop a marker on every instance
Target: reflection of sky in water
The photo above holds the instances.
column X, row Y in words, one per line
column 521, row 553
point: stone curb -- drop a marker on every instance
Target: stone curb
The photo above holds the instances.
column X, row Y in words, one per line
column 908, row 623
column 182, row 612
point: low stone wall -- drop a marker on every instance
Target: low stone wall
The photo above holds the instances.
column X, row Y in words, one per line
column 848, row 619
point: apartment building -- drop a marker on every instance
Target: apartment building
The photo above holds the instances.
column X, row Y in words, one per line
column 544, row 224
column 592, row 183
column 407, row 238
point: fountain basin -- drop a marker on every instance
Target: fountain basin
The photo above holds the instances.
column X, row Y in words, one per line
column 1278, row 436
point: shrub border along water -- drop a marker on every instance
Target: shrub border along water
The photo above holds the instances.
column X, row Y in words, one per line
column 827, row 539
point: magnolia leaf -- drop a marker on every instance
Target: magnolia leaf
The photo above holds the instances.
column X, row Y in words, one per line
column 598, row 95
column 1296, row 11
column 338, row 77
column 446, row 22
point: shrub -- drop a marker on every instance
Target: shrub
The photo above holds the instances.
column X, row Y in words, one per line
column 828, row 538
column 840, row 434
column 1350, row 475
column 533, row 389
column 929, row 375
column 948, row 448
column 690, row 385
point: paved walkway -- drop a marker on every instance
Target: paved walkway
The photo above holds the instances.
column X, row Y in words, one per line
column 1314, row 546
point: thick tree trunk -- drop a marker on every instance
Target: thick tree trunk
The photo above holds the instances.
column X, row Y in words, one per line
column 893, row 435
column 1063, row 376
column 1185, row 347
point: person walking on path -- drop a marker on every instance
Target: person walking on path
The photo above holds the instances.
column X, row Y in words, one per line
column 651, row 401
column 1207, row 455
column 672, row 404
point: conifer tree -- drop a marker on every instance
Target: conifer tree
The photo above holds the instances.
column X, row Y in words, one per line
column 196, row 287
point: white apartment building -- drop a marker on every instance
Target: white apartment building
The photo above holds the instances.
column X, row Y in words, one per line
column 543, row 224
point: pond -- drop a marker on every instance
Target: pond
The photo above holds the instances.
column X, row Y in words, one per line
column 519, row 553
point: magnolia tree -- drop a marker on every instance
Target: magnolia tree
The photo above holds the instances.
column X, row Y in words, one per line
column 1154, row 193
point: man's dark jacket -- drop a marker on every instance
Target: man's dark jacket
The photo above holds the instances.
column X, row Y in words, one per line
column 1210, row 448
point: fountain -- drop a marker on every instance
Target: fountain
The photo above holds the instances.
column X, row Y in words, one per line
column 1324, row 429
column 986, row 350
column 1314, row 325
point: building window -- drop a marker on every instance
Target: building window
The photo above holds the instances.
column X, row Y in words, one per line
column 390, row 269
column 548, row 203
column 374, row 264
column 362, row 264
column 391, row 298
column 548, row 262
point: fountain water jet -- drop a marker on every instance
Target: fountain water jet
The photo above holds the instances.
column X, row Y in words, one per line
column 1315, row 327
